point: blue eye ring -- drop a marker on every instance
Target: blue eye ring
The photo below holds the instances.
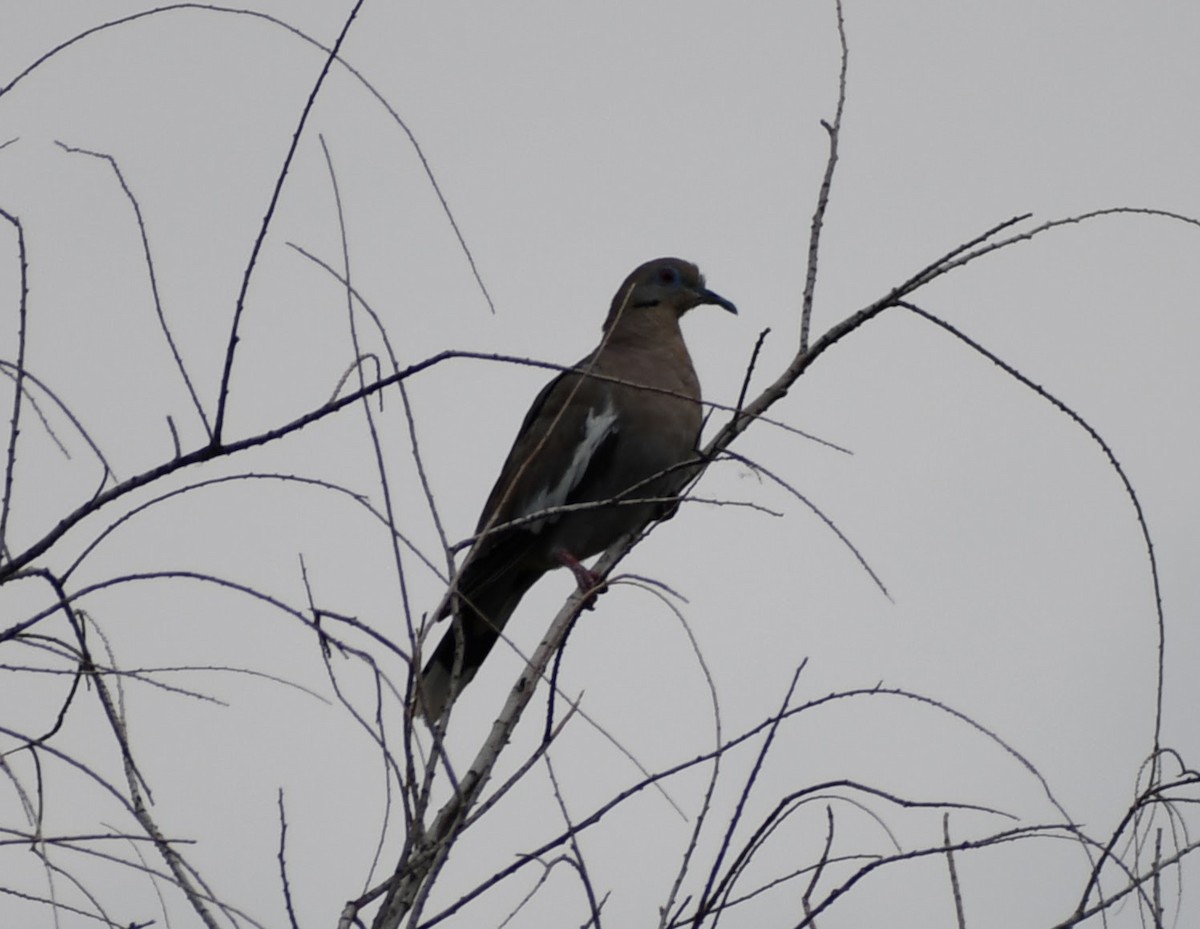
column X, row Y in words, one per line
column 668, row 276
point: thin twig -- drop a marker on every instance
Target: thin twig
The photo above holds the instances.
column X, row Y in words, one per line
column 822, row 862
column 708, row 895
column 576, row 852
column 955, row 889
column 283, row 875
column 252, row 262
column 1139, row 514
column 819, row 513
column 14, row 422
column 11, row 370
column 149, row 259
column 758, row 344
column 834, row 131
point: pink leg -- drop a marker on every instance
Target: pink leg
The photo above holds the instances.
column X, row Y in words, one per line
column 588, row 581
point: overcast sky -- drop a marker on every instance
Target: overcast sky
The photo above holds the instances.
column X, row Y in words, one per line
column 572, row 142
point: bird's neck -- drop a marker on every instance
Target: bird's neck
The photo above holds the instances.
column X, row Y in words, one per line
column 645, row 327
column 648, row 348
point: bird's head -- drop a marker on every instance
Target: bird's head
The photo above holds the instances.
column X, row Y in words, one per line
column 670, row 283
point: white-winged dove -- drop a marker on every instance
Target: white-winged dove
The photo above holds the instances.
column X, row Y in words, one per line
column 594, row 433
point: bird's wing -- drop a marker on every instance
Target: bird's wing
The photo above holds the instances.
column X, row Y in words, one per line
column 568, row 429
column 568, row 433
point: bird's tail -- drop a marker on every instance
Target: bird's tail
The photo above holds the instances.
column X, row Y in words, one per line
column 482, row 611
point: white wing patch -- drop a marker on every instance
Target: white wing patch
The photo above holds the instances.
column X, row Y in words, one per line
column 598, row 426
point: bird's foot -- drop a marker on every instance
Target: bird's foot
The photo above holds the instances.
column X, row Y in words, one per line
column 591, row 583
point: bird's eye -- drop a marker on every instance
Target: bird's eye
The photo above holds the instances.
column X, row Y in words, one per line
column 668, row 276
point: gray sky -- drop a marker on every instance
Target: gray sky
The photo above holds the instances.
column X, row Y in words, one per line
column 573, row 142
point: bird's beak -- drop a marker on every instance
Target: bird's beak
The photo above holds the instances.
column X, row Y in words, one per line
column 707, row 296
